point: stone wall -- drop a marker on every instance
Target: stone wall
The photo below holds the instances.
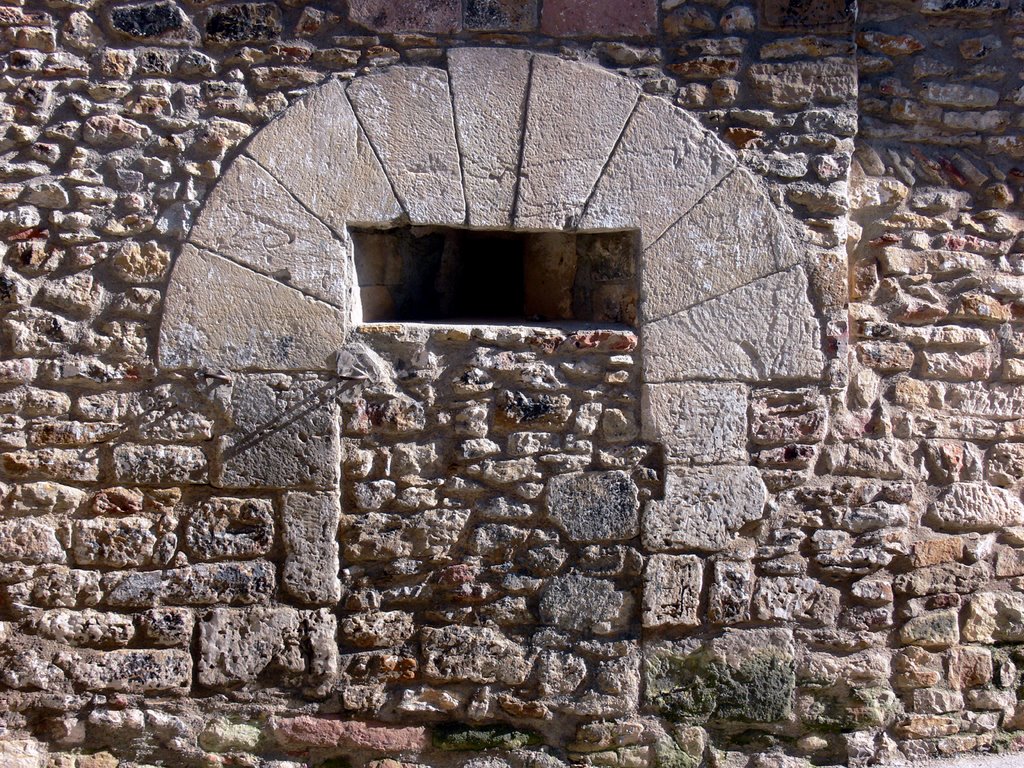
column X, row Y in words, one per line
column 776, row 523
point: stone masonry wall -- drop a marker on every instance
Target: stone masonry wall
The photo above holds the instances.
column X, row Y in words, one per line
column 468, row 546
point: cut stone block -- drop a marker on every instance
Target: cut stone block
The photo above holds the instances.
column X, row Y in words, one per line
column 764, row 331
column 407, row 113
column 585, row 604
column 489, row 87
column 730, row 238
column 131, row 671
column 437, row 16
column 310, row 526
column 475, row 654
column 576, row 113
column 594, row 506
column 251, row 219
column 319, row 152
column 704, row 508
column 672, row 585
column 664, row 163
column 703, row 423
column 975, row 507
column 600, row 18
column 220, row 315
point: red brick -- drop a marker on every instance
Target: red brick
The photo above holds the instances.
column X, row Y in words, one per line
column 599, row 18
column 439, row 16
column 326, row 732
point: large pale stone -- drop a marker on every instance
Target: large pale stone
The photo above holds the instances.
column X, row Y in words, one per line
column 672, row 585
column 703, row 508
column 489, row 88
column 310, row 526
column 318, row 151
column 407, row 113
column 764, row 331
column 575, row 115
column 254, row 221
column 594, row 506
column 22, row 753
column 585, row 604
column 975, row 507
column 730, row 238
column 705, row 423
column 664, row 163
column 476, row 654
column 220, row 315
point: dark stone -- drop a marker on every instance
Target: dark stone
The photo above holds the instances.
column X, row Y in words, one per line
column 149, row 20
column 595, row 506
column 501, row 15
column 459, row 737
column 244, row 23
column 800, row 15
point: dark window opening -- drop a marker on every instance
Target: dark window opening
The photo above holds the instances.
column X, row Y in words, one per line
column 437, row 274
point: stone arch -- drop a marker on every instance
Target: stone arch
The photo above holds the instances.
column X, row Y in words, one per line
column 499, row 139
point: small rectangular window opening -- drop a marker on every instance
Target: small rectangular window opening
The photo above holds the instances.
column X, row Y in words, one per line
column 483, row 277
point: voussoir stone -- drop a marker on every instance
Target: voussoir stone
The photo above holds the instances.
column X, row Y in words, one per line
column 576, row 113
column 663, row 164
column 319, row 152
column 704, row 508
column 730, row 238
column 760, row 332
column 275, row 236
column 975, row 507
column 595, row 506
column 407, row 114
column 310, row 533
column 694, row 421
column 221, row 315
column 489, row 87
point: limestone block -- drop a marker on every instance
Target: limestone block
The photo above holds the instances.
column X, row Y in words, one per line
column 672, row 585
column 301, row 733
column 732, row 586
column 114, row 542
column 663, row 164
column 220, row 315
column 794, row 598
column 489, row 88
column 252, row 220
column 159, row 464
column 585, row 604
column 22, row 753
column 763, row 331
column 239, row 646
column 475, row 654
column 933, row 629
column 309, row 523
column 703, row 423
column 230, row 528
column 594, row 506
column 317, row 149
column 285, row 435
column 130, row 671
column 703, row 508
column 30, row 540
column 407, row 114
column 994, row 617
column 575, row 115
column 95, row 629
column 730, row 238
column 975, row 507
column 218, row 583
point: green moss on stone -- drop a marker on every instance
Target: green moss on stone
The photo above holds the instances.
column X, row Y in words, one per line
column 668, row 754
column 457, row 737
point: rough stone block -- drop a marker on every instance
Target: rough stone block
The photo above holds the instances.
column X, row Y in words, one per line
column 131, row 671
column 114, row 542
column 594, row 506
column 489, row 87
column 794, row 598
column 501, row 15
column 437, row 16
column 567, row 142
column 672, row 587
column 218, row 315
column 599, row 18
column 994, row 617
column 763, row 331
column 585, row 604
column 794, row 85
column 309, row 525
column 285, row 435
column 703, row 508
column 244, row 23
column 808, row 15
column 408, row 115
column 474, row 654
column 975, row 507
column 159, row 464
column 732, row 237
column 326, row 732
column 30, row 540
column 703, row 423
column 217, row 583
column 22, row 753
column 221, row 528
column 663, row 164
column 732, row 586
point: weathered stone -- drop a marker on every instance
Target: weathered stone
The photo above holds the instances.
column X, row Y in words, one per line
column 599, row 18
column 408, row 115
column 437, row 16
column 662, row 165
column 501, row 15
column 704, row 423
column 994, row 617
column 585, row 604
column 792, row 85
column 114, row 543
column 22, row 753
column 323, row 732
column 148, row 21
column 94, row 629
column 732, row 237
column 159, row 464
column 969, row 667
column 566, row 142
column 129, row 670
column 309, row 525
column 285, row 435
column 475, row 654
column 219, row 315
column 489, row 88
column 732, row 586
column 807, row 16
column 741, row 335
column 975, row 507
column 214, row 583
column 223, row 735
column 342, row 180
column 114, row 132
column 377, row 629
column 230, row 528
column 277, row 238
column 29, row 540
column 594, row 506
column 164, row 627
column 244, row 23
column 672, row 586
column 960, row 96
column 792, row 598
column 936, row 629
column 703, row 508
